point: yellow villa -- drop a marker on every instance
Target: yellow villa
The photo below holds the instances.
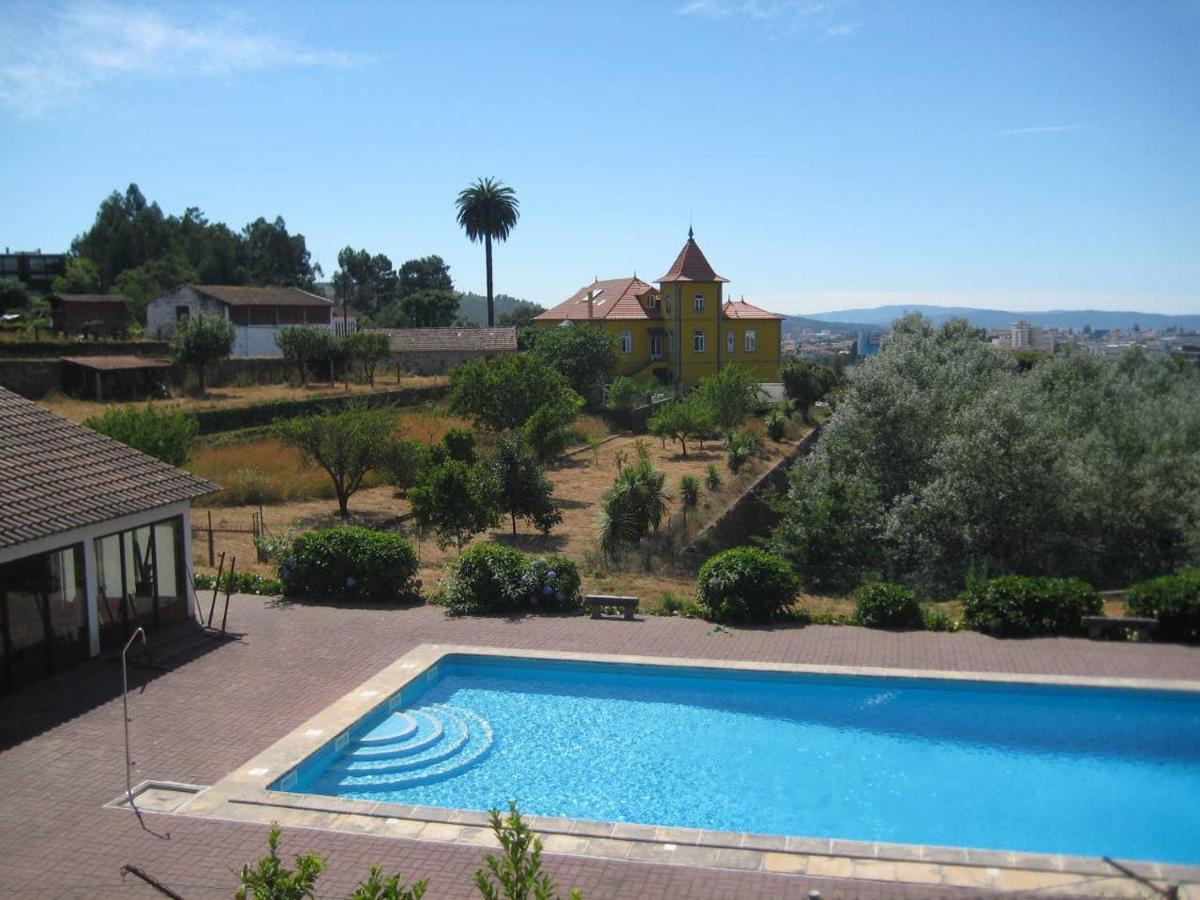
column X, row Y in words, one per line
column 680, row 331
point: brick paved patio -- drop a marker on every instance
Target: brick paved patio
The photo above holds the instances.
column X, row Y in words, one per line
column 61, row 753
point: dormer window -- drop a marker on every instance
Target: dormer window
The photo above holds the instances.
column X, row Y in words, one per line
column 651, row 301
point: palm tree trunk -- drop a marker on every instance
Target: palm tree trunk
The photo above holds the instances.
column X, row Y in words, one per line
column 487, row 249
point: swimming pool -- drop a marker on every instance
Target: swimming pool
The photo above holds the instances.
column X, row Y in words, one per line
column 1032, row 768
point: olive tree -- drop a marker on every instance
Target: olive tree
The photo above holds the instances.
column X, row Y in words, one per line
column 200, row 341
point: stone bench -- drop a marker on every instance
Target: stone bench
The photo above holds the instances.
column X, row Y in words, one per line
column 1098, row 626
column 597, row 602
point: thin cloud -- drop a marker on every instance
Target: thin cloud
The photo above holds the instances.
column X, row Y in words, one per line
column 819, row 17
column 1044, row 129
column 55, row 58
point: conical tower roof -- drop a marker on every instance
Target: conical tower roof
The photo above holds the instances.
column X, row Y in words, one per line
column 690, row 265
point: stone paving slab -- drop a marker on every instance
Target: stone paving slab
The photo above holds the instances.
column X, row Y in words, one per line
column 62, row 758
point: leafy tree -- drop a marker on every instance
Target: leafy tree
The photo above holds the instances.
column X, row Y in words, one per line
column 455, row 501
column 153, row 279
column 81, row 277
column 366, row 349
column 128, row 231
column 38, row 318
column 368, row 282
column 269, row 880
column 548, row 430
column 429, row 273
column 524, row 490
column 730, row 394
column 682, row 420
column 487, row 211
column 504, row 392
column 422, row 309
column 347, row 444
column 163, row 434
column 275, row 257
column 626, row 393
column 522, row 314
column 200, row 341
column 402, row 462
column 944, row 454
column 13, row 294
column 805, row 382
column 304, row 346
column 633, row 506
column 376, row 887
column 517, row 873
column 585, row 354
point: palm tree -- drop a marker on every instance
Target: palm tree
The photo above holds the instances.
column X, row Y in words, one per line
column 488, row 209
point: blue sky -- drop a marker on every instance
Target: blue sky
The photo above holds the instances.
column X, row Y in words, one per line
column 1025, row 154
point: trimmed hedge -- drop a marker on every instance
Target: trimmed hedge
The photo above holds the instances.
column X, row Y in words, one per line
column 235, row 418
column 491, row 578
column 1016, row 605
column 745, row 584
column 881, row 604
column 350, row 563
column 1174, row 600
column 243, row 583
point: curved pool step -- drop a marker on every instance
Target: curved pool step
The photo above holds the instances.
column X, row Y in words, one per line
column 396, row 727
column 429, row 730
column 463, row 739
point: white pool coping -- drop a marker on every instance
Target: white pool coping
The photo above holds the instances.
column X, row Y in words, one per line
column 244, row 796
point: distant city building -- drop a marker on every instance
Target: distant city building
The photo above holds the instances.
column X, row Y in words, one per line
column 868, row 344
column 35, row 268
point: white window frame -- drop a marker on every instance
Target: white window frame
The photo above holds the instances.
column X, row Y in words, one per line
column 651, row 302
column 698, row 303
column 626, row 341
column 751, row 340
column 730, row 341
column 656, row 339
column 698, row 341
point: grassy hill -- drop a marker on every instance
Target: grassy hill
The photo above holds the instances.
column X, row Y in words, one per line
column 473, row 307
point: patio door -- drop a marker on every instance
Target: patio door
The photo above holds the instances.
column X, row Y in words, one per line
column 43, row 615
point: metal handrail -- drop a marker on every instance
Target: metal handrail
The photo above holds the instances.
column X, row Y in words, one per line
column 139, row 631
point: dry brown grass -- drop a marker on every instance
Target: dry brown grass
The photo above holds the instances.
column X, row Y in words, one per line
column 227, row 397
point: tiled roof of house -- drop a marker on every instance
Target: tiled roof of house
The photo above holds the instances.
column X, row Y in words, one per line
column 243, row 295
column 740, row 309
column 116, row 363
column 56, row 475
column 612, row 298
column 690, row 265
column 91, row 298
column 429, row 340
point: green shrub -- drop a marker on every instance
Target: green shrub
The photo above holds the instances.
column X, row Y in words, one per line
column 674, row 605
column 402, row 462
column 939, row 620
column 745, row 584
column 1016, row 605
column 516, row 874
column 881, row 604
column 712, row 478
column 490, row 578
column 776, row 423
column 352, row 563
column 740, row 447
column 1174, row 600
column 163, row 434
column 460, row 444
column 626, row 393
column 269, row 880
column 689, row 490
column 242, row 583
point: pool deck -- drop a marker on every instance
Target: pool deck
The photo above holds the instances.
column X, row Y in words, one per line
column 62, row 760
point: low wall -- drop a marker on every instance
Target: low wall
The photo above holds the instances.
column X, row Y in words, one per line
column 35, row 377
column 43, row 349
column 751, row 513
column 31, row 378
column 215, row 421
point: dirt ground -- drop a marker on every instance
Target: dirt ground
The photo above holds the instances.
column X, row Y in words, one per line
column 229, row 397
column 580, row 481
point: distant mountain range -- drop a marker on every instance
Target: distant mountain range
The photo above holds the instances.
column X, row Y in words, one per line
column 881, row 317
column 813, row 323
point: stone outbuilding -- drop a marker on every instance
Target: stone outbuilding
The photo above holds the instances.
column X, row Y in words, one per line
column 257, row 313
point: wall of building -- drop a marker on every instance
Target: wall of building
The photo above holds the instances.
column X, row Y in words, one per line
column 162, row 312
column 435, row 362
column 257, row 340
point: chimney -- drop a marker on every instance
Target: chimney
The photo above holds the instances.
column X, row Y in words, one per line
column 591, row 294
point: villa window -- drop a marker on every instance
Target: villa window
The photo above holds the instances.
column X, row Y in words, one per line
column 730, row 341
column 698, row 340
column 655, row 346
column 651, row 302
column 182, row 312
column 667, row 304
column 751, row 341
column 626, row 341
column 698, row 303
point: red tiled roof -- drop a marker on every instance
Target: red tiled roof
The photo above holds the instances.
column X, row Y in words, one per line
column 690, row 265
column 243, row 295
column 419, row 340
column 612, row 298
column 56, row 475
column 740, row 309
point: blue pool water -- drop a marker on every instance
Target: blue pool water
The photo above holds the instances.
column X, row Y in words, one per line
column 1082, row 771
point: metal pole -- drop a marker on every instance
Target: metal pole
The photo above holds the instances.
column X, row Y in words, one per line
column 125, row 703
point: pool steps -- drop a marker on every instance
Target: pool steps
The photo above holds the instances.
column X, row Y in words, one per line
column 417, row 746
